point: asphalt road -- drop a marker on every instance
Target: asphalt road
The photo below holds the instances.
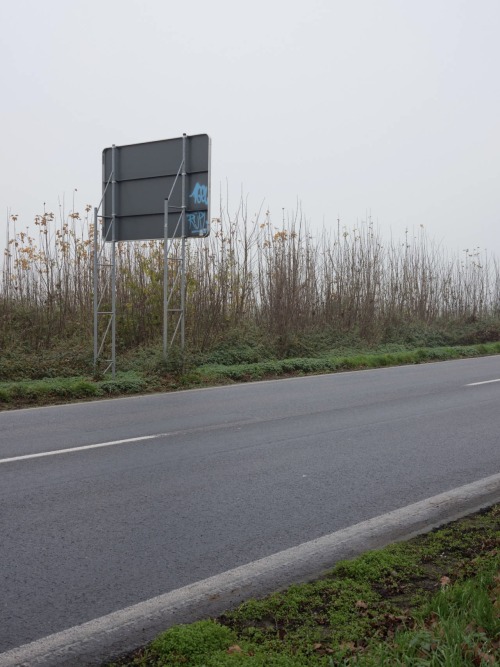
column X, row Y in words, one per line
column 231, row 474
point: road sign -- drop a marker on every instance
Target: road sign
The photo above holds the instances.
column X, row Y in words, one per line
column 137, row 179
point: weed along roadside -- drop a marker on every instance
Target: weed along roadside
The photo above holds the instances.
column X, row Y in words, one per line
column 154, row 377
column 433, row 600
column 261, row 301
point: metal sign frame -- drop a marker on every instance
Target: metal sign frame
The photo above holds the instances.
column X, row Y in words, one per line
column 144, row 175
column 135, row 178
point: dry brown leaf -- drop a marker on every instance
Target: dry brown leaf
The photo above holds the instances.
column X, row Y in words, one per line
column 234, row 649
column 481, row 658
column 348, row 645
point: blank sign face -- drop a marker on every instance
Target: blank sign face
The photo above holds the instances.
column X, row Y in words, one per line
column 144, row 175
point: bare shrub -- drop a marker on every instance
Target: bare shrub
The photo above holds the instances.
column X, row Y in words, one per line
column 249, row 275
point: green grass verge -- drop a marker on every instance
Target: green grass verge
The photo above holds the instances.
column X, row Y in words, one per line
column 40, row 392
column 431, row 601
column 332, row 363
column 156, row 378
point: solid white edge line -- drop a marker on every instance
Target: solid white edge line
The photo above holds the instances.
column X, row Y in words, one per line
column 103, row 638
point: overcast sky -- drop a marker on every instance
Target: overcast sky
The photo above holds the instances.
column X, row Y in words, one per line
column 390, row 107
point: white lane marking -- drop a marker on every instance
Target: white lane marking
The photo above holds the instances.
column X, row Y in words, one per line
column 476, row 384
column 95, row 641
column 164, row 435
column 39, row 455
column 111, row 443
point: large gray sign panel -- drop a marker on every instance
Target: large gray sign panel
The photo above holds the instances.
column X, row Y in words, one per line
column 145, row 174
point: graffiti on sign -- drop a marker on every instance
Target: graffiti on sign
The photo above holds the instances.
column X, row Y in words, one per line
column 200, row 194
column 198, row 223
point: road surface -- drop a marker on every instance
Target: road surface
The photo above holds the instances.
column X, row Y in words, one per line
column 107, row 504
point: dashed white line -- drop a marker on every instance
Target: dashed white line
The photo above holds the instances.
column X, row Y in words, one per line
column 98, row 445
column 112, row 443
column 141, row 438
column 476, row 384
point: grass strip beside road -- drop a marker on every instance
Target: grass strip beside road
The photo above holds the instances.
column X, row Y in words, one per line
column 431, row 601
column 26, row 393
column 335, row 363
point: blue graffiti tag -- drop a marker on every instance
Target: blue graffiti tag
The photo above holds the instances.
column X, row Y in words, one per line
column 198, row 223
column 200, row 194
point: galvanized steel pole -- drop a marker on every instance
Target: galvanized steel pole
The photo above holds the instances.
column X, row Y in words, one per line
column 96, row 288
column 165, row 280
column 183, row 247
column 113, row 261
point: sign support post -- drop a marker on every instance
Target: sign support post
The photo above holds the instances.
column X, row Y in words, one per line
column 158, row 190
column 96, row 291
column 113, row 261
column 183, row 248
column 165, row 283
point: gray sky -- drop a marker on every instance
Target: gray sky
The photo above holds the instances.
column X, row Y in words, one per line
column 348, row 106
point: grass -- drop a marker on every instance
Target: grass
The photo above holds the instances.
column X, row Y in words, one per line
column 54, row 390
column 431, row 601
column 150, row 373
column 266, row 302
column 331, row 363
